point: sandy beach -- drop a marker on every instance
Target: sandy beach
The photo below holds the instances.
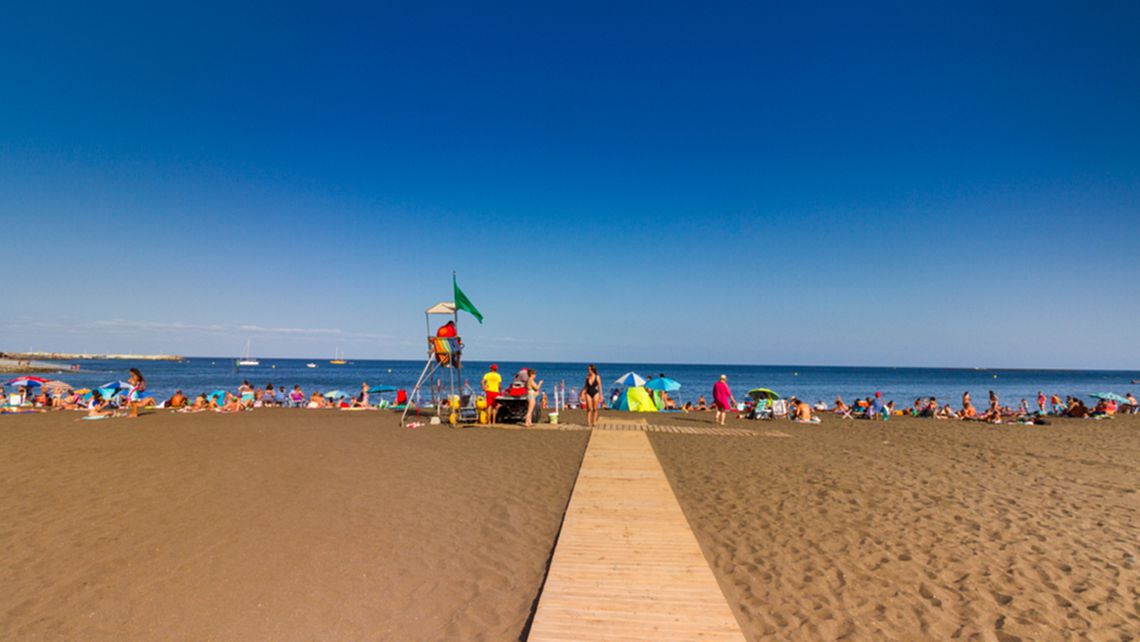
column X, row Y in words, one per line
column 290, row 524
column 920, row 529
column 274, row 525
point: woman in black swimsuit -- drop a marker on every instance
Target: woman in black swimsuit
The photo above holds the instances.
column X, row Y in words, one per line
column 592, row 392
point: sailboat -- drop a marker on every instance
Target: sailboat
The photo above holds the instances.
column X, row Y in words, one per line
column 338, row 361
column 245, row 359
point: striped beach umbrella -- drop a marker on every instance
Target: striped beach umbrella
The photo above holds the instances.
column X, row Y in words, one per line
column 27, row 382
column 630, row 379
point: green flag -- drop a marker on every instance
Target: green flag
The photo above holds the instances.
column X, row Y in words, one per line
column 463, row 303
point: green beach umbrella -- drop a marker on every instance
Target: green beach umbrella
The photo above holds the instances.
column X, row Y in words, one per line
column 762, row 393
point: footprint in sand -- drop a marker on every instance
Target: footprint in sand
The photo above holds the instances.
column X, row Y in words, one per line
column 927, row 595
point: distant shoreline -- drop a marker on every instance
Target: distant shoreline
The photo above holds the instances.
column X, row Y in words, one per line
column 75, row 356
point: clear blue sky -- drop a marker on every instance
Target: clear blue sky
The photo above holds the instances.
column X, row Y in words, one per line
column 881, row 184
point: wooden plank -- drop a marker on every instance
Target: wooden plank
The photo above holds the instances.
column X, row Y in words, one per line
column 627, row 566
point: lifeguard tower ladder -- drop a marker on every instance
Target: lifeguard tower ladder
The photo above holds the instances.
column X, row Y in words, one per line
column 442, row 353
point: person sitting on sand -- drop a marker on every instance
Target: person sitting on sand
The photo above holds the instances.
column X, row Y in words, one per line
column 200, row 403
column 70, row 402
column 801, row 412
column 668, row 401
column 178, row 400
column 968, row 411
column 688, row 407
column 840, row 408
column 929, row 409
column 1130, row 407
column 361, row 400
column 316, row 400
column 820, row 406
column 702, row 405
column 945, row 412
column 877, row 407
column 1105, row 408
column 233, row 403
column 993, row 416
column 98, row 406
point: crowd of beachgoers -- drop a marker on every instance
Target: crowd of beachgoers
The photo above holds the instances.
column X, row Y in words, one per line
column 37, row 395
column 875, row 407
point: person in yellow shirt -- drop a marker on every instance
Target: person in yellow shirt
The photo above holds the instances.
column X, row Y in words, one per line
column 492, row 383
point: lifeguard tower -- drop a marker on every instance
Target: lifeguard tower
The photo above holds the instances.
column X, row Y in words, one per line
column 444, row 352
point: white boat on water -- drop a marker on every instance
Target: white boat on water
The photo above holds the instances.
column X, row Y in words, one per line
column 310, row 365
column 245, row 359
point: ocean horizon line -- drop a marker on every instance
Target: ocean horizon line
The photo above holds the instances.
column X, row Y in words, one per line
column 701, row 364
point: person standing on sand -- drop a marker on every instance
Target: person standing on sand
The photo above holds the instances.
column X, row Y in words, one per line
column 722, row 399
column 1041, row 402
column 532, row 388
column 592, row 395
column 492, row 384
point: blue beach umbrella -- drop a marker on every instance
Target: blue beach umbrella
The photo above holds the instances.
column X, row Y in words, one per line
column 630, row 379
column 664, row 384
column 382, row 389
column 113, row 388
column 218, row 395
column 1108, row 396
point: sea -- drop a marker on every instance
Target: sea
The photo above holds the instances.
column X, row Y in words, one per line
column 811, row 383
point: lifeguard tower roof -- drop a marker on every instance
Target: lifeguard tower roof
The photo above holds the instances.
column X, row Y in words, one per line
column 443, row 307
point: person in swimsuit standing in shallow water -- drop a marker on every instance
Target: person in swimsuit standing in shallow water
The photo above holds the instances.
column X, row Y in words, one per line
column 592, row 394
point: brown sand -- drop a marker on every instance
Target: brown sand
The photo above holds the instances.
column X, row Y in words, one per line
column 274, row 525
column 919, row 529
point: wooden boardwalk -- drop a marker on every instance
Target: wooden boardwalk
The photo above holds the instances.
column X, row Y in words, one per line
column 627, row 566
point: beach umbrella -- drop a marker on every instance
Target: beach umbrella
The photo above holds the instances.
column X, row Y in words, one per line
column 54, row 387
column 664, row 384
column 113, row 388
column 382, row 389
column 27, row 382
column 219, row 395
column 1109, row 396
column 762, row 393
column 630, row 379
column 335, row 394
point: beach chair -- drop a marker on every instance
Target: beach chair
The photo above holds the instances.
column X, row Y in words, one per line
column 446, row 349
column 779, row 408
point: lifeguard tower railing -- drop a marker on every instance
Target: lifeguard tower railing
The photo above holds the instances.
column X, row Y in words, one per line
column 442, row 353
